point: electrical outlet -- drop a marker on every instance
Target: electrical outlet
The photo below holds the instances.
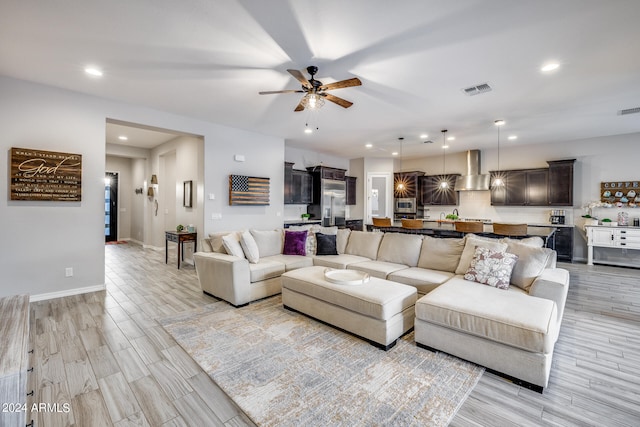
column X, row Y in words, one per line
column 68, row 272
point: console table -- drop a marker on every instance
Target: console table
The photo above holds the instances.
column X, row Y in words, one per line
column 611, row 237
column 179, row 237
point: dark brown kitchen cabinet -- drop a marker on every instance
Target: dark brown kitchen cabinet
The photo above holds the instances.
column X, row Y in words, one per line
column 406, row 184
column 432, row 193
column 351, row 189
column 561, row 182
column 525, row 187
column 326, row 172
column 298, row 186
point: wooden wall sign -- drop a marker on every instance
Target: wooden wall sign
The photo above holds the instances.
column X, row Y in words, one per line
column 45, row 175
column 248, row 190
column 620, row 192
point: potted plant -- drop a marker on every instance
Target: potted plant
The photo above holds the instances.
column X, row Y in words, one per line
column 451, row 216
column 305, row 216
column 180, row 228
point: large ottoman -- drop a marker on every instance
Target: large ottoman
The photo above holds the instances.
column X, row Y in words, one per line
column 380, row 311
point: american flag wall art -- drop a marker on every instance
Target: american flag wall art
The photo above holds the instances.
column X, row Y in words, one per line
column 248, row 190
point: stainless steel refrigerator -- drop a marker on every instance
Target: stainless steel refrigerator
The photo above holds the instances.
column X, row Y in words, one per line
column 330, row 206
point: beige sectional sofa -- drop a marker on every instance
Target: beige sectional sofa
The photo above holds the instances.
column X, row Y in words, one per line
column 511, row 331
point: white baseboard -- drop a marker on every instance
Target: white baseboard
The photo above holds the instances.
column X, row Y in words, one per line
column 67, row 292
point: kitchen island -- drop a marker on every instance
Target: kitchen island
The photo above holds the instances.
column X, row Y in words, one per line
column 447, row 229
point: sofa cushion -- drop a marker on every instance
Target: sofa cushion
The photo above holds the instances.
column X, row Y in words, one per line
column 440, row 254
column 232, row 246
column 400, row 248
column 534, row 241
column 470, row 244
column 310, row 245
column 532, row 261
column 337, row 261
column 342, row 238
column 295, row 243
column 378, row 269
column 215, row 240
column 326, row 244
column 509, row 317
column 291, row 262
column 265, row 269
column 423, row 279
column 269, row 242
column 364, row 244
column 491, row 268
column 249, row 247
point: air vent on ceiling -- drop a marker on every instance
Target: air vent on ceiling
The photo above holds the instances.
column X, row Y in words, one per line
column 629, row 111
column 477, row 89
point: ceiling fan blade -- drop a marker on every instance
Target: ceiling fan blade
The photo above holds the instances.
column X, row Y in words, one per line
column 341, row 102
column 299, row 107
column 270, row 92
column 300, row 77
column 343, row 83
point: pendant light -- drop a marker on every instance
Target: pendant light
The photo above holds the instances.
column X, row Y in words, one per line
column 498, row 181
column 401, row 185
column 444, row 184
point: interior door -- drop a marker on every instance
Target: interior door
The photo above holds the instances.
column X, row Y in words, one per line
column 379, row 196
column 111, row 206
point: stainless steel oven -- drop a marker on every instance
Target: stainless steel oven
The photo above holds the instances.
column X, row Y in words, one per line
column 406, row 205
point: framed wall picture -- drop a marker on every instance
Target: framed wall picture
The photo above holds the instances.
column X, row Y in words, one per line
column 187, row 198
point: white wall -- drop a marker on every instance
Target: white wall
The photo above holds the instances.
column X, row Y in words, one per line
column 41, row 239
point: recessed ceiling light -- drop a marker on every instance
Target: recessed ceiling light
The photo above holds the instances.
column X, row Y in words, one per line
column 424, row 136
column 93, row 71
column 368, row 145
column 445, row 146
column 499, row 122
column 123, row 138
column 549, row 67
column 512, row 137
column 451, row 138
column 395, row 153
column 308, row 130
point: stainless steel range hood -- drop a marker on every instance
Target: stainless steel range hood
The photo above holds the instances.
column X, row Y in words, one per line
column 473, row 181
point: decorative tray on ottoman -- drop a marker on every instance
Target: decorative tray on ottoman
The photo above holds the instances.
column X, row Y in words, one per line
column 346, row 277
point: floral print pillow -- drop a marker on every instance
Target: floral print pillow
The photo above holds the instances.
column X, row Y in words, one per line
column 491, row 267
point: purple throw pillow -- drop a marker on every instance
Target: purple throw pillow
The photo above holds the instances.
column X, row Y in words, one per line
column 295, row 243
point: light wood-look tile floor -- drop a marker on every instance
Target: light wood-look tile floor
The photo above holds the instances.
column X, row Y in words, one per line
column 105, row 355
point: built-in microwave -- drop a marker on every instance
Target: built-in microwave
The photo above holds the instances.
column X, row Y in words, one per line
column 406, row 205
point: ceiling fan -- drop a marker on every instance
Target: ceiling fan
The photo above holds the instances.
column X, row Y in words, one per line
column 316, row 92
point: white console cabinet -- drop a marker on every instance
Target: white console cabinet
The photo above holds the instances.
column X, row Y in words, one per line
column 611, row 237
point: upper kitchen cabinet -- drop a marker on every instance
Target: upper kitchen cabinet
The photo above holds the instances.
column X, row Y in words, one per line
column 432, row 193
column 298, row 186
column 326, row 172
column 351, row 189
column 526, row 187
column 406, row 184
column 561, row 182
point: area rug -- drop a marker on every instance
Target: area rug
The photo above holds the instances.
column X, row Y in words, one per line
column 285, row 369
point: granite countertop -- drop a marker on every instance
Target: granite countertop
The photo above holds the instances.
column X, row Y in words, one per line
column 449, row 227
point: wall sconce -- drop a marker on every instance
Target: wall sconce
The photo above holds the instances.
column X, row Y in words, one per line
column 150, row 192
column 154, row 179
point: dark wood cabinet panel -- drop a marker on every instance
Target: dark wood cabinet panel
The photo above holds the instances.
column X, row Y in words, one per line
column 298, row 186
column 351, row 189
column 431, row 192
column 525, row 187
column 561, row 182
column 354, row 224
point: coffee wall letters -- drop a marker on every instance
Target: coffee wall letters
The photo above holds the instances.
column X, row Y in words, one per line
column 45, row 175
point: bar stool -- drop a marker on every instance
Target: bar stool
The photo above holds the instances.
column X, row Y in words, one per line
column 509, row 229
column 382, row 222
column 412, row 223
column 469, row 226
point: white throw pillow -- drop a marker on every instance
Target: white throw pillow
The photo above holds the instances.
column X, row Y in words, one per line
column 532, row 261
column 470, row 249
column 270, row 242
column 250, row 247
column 491, row 268
column 232, row 245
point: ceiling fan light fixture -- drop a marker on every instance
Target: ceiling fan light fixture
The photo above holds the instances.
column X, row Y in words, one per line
column 312, row 101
